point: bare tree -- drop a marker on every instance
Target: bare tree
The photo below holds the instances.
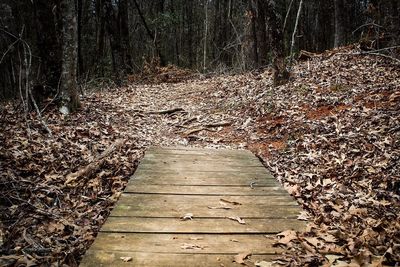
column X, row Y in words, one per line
column 281, row 74
column 340, row 28
column 69, row 98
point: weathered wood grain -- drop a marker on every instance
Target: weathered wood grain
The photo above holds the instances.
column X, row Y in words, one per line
column 206, row 190
column 199, row 225
column 145, row 225
column 179, row 243
column 100, row 258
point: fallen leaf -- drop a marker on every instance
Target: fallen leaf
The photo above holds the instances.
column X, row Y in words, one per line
column 314, row 241
column 191, row 246
column 239, row 258
column 332, row 258
column 126, row 259
column 229, row 202
column 196, row 238
column 238, row 219
column 287, row 236
column 303, row 216
column 223, row 207
column 263, row 264
column 187, row 216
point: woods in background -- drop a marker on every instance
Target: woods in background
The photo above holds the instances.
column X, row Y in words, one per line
column 48, row 47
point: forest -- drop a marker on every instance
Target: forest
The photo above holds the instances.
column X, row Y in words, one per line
column 312, row 88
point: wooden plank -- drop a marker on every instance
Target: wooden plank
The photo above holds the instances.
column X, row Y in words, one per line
column 175, row 201
column 192, row 163
column 172, row 243
column 182, row 168
column 205, row 190
column 200, row 226
column 164, row 200
column 155, row 173
column 201, row 211
column 200, row 157
column 100, row 258
column 225, row 152
column 188, row 180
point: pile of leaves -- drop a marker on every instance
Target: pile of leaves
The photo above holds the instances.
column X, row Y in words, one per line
column 330, row 136
column 153, row 72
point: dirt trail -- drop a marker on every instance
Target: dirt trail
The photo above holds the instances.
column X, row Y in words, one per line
column 330, row 136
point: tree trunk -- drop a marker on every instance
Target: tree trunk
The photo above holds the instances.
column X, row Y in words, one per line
column 80, row 59
column 100, row 33
column 262, row 34
column 114, row 34
column 150, row 34
column 250, row 39
column 281, row 74
column 125, row 40
column 340, row 34
column 69, row 100
column 50, row 48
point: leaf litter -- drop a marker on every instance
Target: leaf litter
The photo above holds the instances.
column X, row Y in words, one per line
column 331, row 136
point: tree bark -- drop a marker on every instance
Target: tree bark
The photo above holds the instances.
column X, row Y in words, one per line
column 80, row 59
column 340, row 33
column 150, row 34
column 50, row 48
column 262, row 39
column 281, row 74
column 125, row 39
column 69, row 99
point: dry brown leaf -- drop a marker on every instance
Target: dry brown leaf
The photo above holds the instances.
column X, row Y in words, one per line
column 287, row 236
column 192, row 246
column 238, row 219
column 240, row 258
column 187, row 216
column 126, row 259
column 263, row 264
column 222, row 207
column 224, row 201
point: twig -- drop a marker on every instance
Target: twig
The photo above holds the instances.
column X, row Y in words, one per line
column 294, row 33
column 379, row 54
column 287, row 16
column 189, row 132
column 218, row 124
column 207, row 126
column 167, row 111
column 367, row 24
column 385, row 48
column 40, row 115
column 93, row 166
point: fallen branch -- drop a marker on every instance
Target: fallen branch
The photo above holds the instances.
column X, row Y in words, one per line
column 93, row 166
column 39, row 115
column 207, row 126
column 218, row 124
column 379, row 54
column 189, row 132
column 167, row 111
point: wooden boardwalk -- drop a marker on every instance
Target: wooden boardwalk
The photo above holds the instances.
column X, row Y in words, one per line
column 146, row 228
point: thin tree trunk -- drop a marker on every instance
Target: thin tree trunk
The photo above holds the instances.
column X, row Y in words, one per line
column 262, row 39
column 125, row 39
column 339, row 23
column 150, row 34
column 50, row 47
column 295, row 30
column 205, row 35
column 281, row 74
column 80, row 59
column 69, row 89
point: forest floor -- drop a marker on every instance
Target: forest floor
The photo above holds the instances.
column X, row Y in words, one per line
column 331, row 137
